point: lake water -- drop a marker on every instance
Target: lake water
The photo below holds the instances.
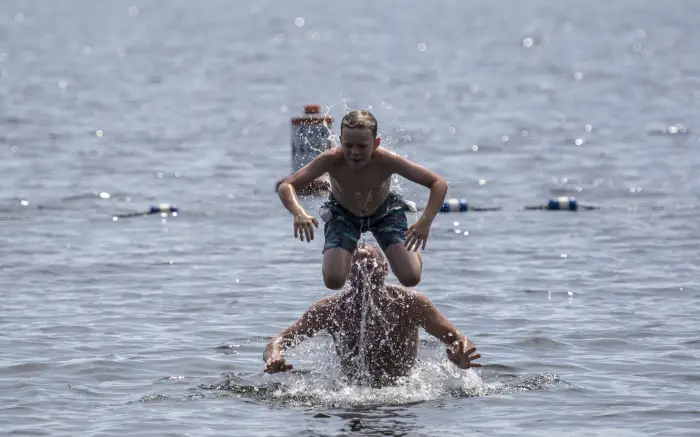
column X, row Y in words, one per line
column 156, row 325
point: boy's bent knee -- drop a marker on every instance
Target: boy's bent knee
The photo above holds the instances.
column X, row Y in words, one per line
column 336, row 267
column 333, row 281
column 409, row 278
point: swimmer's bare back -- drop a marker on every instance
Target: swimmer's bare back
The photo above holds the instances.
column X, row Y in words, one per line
column 390, row 341
column 376, row 334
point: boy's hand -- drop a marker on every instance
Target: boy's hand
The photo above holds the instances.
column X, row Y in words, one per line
column 462, row 353
column 417, row 234
column 303, row 226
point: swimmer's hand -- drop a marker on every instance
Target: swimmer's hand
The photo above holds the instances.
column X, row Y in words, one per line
column 417, row 234
column 276, row 364
column 303, row 226
column 462, row 353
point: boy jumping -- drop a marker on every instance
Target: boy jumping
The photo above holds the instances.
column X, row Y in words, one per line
column 361, row 200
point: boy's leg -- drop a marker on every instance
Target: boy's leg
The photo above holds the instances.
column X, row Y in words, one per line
column 406, row 265
column 390, row 232
column 336, row 267
column 341, row 241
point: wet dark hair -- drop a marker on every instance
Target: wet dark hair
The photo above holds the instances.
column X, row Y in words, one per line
column 359, row 119
column 374, row 253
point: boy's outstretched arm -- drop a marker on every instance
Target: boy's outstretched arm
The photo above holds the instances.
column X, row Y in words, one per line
column 461, row 351
column 418, row 233
column 303, row 222
column 314, row 320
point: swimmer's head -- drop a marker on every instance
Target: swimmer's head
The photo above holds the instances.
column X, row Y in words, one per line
column 369, row 264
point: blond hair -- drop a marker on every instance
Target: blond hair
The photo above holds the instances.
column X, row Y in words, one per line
column 359, row 119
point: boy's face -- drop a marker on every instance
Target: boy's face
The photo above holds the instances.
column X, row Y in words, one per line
column 358, row 145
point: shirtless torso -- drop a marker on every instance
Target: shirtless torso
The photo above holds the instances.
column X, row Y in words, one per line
column 360, row 191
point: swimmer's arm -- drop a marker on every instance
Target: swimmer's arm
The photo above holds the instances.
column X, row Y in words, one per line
column 307, row 174
column 434, row 322
column 421, row 175
column 460, row 349
column 314, row 320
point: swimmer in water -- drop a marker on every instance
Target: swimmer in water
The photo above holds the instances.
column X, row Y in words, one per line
column 361, row 200
column 374, row 326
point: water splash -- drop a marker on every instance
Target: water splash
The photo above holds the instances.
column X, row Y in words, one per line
column 434, row 378
column 429, row 381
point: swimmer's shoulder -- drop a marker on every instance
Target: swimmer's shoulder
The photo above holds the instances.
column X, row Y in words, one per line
column 411, row 295
column 326, row 303
column 399, row 291
column 322, row 312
